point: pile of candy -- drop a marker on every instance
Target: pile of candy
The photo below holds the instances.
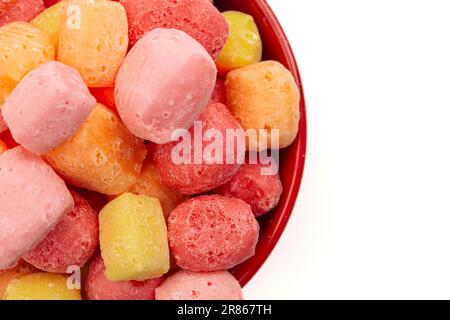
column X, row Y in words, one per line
column 91, row 93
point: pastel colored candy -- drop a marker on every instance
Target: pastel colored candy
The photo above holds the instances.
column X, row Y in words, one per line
column 133, row 238
column 244, row 44
column 32, row 200
column 212, row 233
column 103, row 156
column 71, row 242
column 19, row 10
column 260, row 190
column 94, row 39
column 149, row 184
column 41, row 286
column 187, row 285
column 22, row 48
column 265, row 97
column 208, row 173
column 47, row 107
column 49, row 21
column 198, row 18
column 152, row 107
column 6, row 276
column 219, row 94
column 98, row 287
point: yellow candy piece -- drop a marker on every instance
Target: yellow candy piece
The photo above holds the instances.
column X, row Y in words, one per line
column 41, row 286
column 49, row 21
column 22, row 48
column 244, row 45
column 149, row 184
column 264, row 96
column 102, row 156
column 6, row 276
column 94, row 39
column 133, row 238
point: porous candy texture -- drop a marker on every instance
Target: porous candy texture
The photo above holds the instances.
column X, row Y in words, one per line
column 103, row 156
column 19, row 10
column 212, row 233
column 198, row 18
column 6, row 276
column 187, row 285
column 98, row 287
column 49, row 21
column 71, row 242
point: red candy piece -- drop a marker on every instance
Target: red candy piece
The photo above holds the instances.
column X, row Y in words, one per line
column 19, row 10
column 98, row 287
column 198, row 18
column 195, row 178
column 105, row 96
column 261, row 192
column 212, row 233
column 72, row 242
column 219, row 95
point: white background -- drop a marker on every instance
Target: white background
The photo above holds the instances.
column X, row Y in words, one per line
column 373, row 215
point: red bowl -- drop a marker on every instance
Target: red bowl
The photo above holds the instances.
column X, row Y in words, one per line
column 292, row 159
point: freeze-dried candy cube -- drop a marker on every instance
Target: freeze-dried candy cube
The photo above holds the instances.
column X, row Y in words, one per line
column 188, row 285
column 197, row 18
column 103, row 156
column 94, row 39
column 19, row 10
column 41, row 286
column 72, row 241
column 158, row 89
column 6, row 276
column 133, row 238
column 32, row 200
column 212, row 233
column 49, row 21
column 47, row 107
column 22, row 48
column 265, row 97
column 98, row 287
column 149, row 184
column 244, row 45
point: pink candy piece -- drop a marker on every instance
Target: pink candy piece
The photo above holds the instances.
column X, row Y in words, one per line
column 98, row 287
column 212, row 233
column 187, row 285
column 19, row 10
column 164, row 84
column 198, row 18
column 32, row 200
column 219, row 95
column 72, row 241
column 207, row 174
column 262, row 192
column 47, row 107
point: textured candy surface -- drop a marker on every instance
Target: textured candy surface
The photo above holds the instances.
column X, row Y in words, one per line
column 6, row 276
column 149, row 184
column 49, row 21
column 152, row 107
column 187, row 285
column 133, row 238
column 98, row 287
column 41, row 286
column 212, row 233
column 103, row 155
column 32, row 200
column 244, row 45
column 219, row 94
column 22, row 48
column 198, row 18
column 71, row 242
column 94, row 39
column 19, row 10
column 47, row 107
column 262, row 192
column 211, row 171
column 265, row 96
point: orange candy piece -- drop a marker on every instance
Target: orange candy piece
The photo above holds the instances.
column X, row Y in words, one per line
column 94, row 39
column 6, row 276
column 103, row 156
column 3, row 147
